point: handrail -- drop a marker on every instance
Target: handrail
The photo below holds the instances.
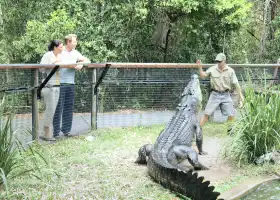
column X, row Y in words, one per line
column 34, row 66
column 130, row 65
column 176, row 65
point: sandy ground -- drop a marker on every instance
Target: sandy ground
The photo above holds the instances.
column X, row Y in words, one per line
column 219, row 169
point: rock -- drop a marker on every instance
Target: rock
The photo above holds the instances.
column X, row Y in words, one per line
column 90, row 138
column 273, row 157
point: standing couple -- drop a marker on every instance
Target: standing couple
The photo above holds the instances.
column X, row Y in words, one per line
column 59, row 92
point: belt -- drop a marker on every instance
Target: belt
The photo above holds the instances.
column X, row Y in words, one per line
column 67, row 84
column 225, row 91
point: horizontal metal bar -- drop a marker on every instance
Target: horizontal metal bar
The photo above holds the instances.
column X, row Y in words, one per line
column 148, row 81
column 88, row 85
column 37, row 66
column 179, row 65
column 174, row 81
column 132, row 65
column 21, row 89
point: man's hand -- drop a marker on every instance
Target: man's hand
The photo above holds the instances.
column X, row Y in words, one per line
column 198, row 62
column 241, row 101
column 201, row 72
column 79, row 67
column 84, row 60
column 80, row 63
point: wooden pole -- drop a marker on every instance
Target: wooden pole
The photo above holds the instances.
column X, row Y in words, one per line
column 94, row 99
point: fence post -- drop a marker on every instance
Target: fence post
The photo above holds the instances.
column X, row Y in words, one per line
column 94, row 99
column 35, row 107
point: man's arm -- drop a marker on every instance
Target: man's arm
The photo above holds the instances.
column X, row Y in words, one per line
column 238, row 89
column 202, row 73
column 240, row 95
column 81, row 59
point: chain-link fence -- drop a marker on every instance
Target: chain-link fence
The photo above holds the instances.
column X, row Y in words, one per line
column 140, row 97
column 126, row 96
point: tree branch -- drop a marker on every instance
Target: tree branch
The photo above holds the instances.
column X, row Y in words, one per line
column 253, row 35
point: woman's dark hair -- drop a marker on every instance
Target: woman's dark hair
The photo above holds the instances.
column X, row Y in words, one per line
column 54, row 43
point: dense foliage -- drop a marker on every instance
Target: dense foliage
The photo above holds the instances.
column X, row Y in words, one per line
column 130, row 31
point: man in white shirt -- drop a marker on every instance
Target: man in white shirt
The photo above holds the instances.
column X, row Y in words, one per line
column 65, row 104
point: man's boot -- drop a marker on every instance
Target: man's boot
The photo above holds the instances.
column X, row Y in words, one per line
column 230, row 125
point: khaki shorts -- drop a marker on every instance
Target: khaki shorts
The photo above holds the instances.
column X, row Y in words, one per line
column 222, row 100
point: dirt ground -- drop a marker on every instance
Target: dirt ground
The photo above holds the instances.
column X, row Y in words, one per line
column 218, row 169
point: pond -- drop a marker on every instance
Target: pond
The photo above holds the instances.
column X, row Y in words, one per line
column 267, row 191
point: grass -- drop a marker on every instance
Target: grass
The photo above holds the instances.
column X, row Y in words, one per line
column 104, row 168
column 15, row 159
column 101, row 169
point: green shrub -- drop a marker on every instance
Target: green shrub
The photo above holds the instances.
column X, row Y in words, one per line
column 257, row 130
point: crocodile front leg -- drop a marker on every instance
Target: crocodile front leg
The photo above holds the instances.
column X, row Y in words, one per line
column 143, row 153
column 199, row 139
column 183, row 152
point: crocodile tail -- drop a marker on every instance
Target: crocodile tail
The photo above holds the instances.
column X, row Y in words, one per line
column 184, row 183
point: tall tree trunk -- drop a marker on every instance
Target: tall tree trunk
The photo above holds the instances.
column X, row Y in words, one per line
column 273, row 7
column 1, row 19
column 263, row 34
column 166, row 45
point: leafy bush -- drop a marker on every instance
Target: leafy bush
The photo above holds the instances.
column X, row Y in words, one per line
column 257, row 131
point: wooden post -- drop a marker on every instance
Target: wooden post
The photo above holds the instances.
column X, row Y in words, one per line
column 275, row 76
column 94, row 99
column 35, row 107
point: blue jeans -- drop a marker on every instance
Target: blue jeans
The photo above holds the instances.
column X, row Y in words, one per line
column 64, row 108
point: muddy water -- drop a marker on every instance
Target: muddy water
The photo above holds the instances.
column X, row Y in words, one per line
column 267, row 191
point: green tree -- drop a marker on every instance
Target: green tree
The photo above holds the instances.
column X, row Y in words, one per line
column 33, row 43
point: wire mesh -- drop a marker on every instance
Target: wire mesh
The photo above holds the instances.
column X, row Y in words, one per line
column 126, row 97
column 68, row 109
column 16, row 99
column 141, row 97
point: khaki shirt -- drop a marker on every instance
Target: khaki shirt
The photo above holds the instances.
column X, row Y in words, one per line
column 222, row 80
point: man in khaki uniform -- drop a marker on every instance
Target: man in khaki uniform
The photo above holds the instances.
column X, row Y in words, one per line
column 223, row 80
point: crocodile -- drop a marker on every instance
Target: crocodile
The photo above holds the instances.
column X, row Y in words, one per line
column 165, row 158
